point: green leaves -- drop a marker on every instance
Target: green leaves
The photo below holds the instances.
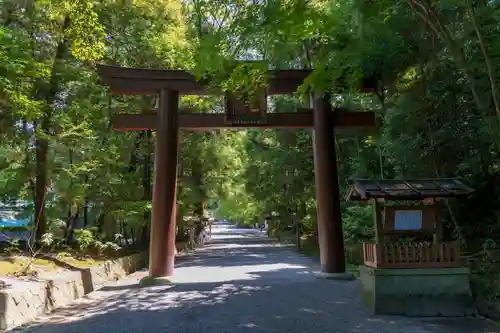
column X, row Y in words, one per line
column 78, row 21
column 86, row 32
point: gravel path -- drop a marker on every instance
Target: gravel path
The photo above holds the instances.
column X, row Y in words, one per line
column 240, row 283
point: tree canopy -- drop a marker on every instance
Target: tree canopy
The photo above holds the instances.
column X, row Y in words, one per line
column 436, row 102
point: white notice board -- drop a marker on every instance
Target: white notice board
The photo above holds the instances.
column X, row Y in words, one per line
column 408, row 220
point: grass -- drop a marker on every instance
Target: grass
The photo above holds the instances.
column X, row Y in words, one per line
column 15, row 264
column 87, row 262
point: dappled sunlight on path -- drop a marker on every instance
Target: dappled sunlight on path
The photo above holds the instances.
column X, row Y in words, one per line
column 230, row 273
column 238, row 286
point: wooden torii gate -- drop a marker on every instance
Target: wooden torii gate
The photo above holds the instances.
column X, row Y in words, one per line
column 167, row 121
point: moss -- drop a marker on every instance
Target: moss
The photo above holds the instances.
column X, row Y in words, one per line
column 82, row 263
column 15, row 264
column 39, row 261
column 12, row 265
column 8, row 268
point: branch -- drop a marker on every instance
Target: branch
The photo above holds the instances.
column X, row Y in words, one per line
column 489, row 66
column 430, row 17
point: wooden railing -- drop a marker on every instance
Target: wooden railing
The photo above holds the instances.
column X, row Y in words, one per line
column 417, row 255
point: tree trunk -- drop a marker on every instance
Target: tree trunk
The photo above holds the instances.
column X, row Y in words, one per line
column 40, row 187
column 100, row 223
column 86, row 208
column 146, row 185
column 41, row 142
column 73, row 210
column 73, row 214
column 132, row 167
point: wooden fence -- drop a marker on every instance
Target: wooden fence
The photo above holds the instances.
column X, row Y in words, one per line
column 417, row 255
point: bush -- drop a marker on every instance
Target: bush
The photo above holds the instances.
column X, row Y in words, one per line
column 13, row 247
column 84, row 239
column 485, row 266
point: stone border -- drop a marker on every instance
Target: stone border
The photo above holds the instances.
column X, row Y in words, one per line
column 22, row 301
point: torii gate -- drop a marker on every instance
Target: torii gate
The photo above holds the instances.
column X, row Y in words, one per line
column 169, row 84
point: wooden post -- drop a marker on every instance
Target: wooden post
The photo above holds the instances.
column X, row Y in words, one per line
column 163, row 219
column 331, row 240
column 378, row 226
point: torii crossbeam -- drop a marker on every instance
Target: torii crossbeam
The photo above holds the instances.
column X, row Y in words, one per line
column 205, row 121
column 169, row 119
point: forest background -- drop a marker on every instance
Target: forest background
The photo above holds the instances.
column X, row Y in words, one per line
column 437, row 107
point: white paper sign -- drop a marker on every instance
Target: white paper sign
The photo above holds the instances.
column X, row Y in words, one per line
column 408, row 220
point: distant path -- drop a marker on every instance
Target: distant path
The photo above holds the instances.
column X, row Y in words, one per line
column 241, row 283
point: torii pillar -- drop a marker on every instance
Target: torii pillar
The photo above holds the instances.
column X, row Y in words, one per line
column 331, row 239
column 163, row 217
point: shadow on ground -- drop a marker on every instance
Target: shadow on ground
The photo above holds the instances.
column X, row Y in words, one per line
column 238, row 254
column 268, row 289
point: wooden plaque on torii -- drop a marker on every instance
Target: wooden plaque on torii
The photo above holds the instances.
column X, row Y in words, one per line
column 246, row 110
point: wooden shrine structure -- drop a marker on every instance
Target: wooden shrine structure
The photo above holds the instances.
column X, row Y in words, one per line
column 239, row 113
column 393, row 221
column 410, row 268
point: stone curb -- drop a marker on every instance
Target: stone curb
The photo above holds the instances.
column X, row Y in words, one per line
column 23, row 301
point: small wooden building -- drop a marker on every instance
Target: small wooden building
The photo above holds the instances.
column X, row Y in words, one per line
column 409, row 268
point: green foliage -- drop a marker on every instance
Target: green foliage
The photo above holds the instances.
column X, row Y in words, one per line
column 85, row 239
column 47, row 239
column 62, row 255
column 13, row 247
column 104, row 248
column 485, row 266
column 358, row 223
column 435, row 104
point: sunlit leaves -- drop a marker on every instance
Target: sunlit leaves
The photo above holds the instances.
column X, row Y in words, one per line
column 86, row 33
column 83, row 29
column 19, row 70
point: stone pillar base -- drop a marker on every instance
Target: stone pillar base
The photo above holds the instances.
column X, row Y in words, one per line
column 149, row 281
column 346, row 276
column 419, row 292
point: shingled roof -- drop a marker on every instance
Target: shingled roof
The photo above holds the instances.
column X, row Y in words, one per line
column 393, row 189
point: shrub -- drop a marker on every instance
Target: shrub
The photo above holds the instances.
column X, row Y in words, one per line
column 85, row 239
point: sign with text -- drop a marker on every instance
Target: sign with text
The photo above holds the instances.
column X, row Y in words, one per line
column 405, row 220
column 241, row 109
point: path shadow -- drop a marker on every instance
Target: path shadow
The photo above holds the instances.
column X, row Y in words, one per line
column 237, row 256
column 242, row 240
column 241, row 305
column 258, row 298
